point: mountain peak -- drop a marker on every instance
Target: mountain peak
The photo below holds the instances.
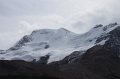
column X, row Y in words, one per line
column 64, row 32
column 56, row 41
column 63, row 29
column 113, row 24
column 110, row 26
column 43, row 31
column 46, row 31
column 99, row 25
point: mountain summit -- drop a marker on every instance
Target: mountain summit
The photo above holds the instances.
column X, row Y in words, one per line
column 59, row 43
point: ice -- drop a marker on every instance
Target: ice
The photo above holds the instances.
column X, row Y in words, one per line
column 61, row 43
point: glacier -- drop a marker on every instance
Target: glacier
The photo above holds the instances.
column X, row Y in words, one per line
column 58, row 43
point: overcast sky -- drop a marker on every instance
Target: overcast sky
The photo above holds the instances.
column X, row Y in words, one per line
column 21, row 17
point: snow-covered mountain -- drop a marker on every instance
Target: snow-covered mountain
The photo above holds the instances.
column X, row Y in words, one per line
column 57, row 43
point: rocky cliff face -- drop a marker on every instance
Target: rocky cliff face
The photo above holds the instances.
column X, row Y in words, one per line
column 102, row 60
column 114, row 40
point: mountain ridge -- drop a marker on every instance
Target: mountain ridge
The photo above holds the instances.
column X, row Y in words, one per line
column 57, row 43
column 92, row 55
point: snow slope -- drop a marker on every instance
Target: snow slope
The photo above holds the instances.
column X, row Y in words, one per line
column 58, row 43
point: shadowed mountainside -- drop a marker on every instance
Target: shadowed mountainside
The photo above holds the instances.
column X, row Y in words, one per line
column 28, row 70
column 99, row 62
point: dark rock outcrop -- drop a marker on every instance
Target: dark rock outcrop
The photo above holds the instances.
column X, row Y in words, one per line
column 114, row 40
column 21, row 42
column 98, row 62
column 102, row 60
column 44, row 59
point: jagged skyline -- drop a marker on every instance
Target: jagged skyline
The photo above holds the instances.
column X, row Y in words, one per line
column 21, row 17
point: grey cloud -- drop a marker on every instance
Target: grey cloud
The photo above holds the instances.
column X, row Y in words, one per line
column 20, row 17
column 101, row 16
column 30, row 7
column 17, row 7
